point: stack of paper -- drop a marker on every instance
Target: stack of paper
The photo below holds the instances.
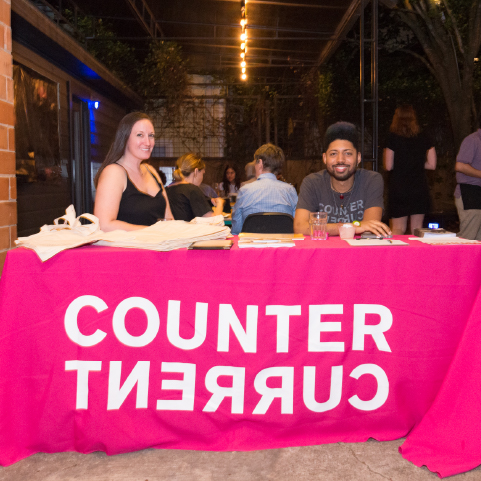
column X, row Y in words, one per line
column 444, row 240
column 358, row 242
column 268, row 243
column 247, row 239
column 164, row 236
column 283, row 237
column 214, row 220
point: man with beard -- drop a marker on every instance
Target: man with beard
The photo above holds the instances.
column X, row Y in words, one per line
column 347, row 194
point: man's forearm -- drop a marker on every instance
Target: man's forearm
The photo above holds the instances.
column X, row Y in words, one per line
column 333, row 229
column 302, row 228
column 467, row 169
column 305, row 228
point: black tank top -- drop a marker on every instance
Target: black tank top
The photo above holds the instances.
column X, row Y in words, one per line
column 139, row 208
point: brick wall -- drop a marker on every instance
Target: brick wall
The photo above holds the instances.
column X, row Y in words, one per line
column 8, row 186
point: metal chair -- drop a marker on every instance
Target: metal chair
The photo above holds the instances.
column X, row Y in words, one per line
column 269, row 223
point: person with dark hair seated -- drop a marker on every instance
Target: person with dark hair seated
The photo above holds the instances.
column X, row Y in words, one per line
column 346, row 193
column 266, row 194
column 230, row 181
column 130, row 194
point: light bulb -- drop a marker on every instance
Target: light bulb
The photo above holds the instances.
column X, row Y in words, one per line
column 243, row 22
column 243, row 46
column 243, row 64
column 243, row 36
column 243, row 70
column 243, row 54
column 244, row 76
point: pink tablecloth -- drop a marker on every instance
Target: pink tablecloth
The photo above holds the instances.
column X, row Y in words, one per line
column 117, row 350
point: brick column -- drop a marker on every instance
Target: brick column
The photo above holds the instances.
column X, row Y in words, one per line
column 8, row 186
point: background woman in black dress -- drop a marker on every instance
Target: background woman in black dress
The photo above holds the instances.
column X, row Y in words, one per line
column 408, row 153
column 186, row 198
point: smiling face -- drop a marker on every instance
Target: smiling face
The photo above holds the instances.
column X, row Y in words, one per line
column 141, row 140
column 341, row 159
column 230, row 174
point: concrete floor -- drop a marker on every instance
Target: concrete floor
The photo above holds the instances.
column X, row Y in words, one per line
column 330, row 462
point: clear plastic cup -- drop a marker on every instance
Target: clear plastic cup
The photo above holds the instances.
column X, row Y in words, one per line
column 318, row 225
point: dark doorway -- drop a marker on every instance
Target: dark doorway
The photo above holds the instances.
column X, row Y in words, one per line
column 80, row 155
column 42, row 176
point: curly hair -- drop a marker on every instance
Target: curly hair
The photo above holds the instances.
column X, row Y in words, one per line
column 341, row 131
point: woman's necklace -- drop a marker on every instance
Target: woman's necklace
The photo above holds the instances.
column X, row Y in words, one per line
column 342, row 195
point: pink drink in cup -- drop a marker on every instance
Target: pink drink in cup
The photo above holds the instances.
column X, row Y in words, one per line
column 318, row 225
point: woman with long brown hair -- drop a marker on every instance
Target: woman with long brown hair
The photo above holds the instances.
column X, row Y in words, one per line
column 407, row 154
column 230, row 181
column 130, row 194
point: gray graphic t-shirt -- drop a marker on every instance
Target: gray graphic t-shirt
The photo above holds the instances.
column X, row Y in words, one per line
column 316, row 194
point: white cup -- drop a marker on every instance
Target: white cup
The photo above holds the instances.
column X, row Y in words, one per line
column 347, row 231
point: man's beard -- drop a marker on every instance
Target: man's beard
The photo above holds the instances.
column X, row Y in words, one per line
column 347, row 174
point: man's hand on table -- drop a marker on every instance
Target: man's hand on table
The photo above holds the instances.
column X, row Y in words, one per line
column 374, row 226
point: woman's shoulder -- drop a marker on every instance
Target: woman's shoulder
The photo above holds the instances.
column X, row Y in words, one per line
column 182, row 187
column 153, row 172
column 149, row 168
column 113, row 171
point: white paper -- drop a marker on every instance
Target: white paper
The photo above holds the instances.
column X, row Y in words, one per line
column 444, row 240
column 375, row 242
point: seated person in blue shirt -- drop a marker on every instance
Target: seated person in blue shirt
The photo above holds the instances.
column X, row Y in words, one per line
column 266, row 194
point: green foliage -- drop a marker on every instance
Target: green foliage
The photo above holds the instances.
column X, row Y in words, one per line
column 337, row 87
column 164, row 76
column 102, row 43
column 324, row 92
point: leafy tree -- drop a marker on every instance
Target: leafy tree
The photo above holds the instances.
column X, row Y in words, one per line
column 449, row 33
column 164, row 76
column 101, row 41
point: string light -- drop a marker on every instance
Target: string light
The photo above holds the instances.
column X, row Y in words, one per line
column 243, row 38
